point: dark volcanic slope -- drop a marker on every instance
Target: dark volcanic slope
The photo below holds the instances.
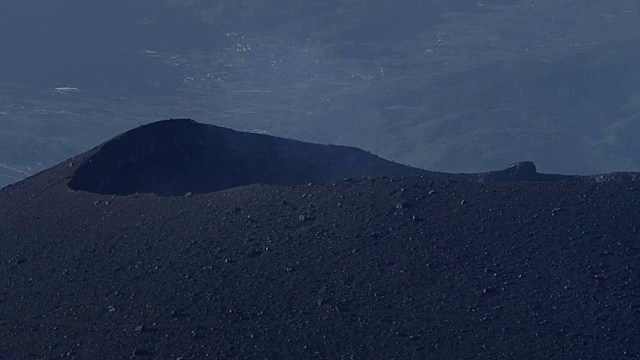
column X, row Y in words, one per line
column 367, row 268
column 173, row 157
column 177, row 156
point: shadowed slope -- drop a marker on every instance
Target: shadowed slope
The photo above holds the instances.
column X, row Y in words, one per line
column 175, row 157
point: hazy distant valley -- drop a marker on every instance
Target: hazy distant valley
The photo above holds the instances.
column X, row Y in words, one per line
column 443, row 85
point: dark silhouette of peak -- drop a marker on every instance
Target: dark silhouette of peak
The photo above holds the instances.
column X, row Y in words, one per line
column 372, row 268
column 179, row 156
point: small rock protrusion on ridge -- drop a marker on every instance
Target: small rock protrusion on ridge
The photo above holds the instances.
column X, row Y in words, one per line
column 523, row 167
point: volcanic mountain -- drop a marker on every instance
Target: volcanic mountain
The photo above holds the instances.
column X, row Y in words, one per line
column 183, row 240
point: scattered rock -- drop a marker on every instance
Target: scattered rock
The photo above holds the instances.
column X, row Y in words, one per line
column 141, row 352
column 489, row 291
column 141, row 328
column 402, row 205
column 254, row 253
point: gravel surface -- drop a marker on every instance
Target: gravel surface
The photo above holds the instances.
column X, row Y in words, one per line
column 363, row 268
